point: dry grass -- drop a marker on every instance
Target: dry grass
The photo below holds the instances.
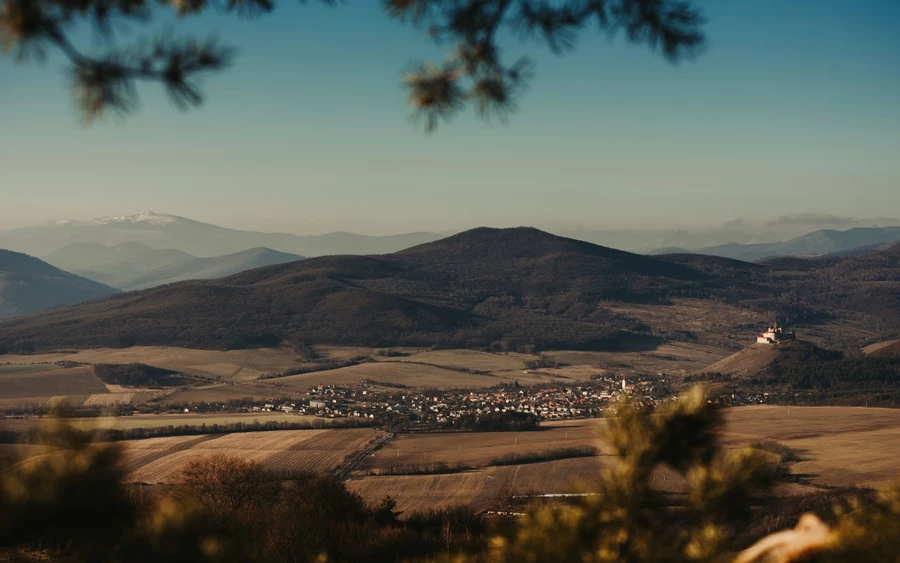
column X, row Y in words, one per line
column 163, row 420
column 13, row 452
column 668, row 358
column 872, row 348
column 344, row 353
column 482, row 488
column 281, row 450
column 710, row 321
column 109, row 399
column 227, row 392
column 232, row 365
column 415, row 493
column 238, row 371
column 403, row 373
column 263, row 441
column 471, row 359
column 73, row 381
column 23, row 403
column 413, row 371
column 27, row 368
column 475, row 448
column 839, row 446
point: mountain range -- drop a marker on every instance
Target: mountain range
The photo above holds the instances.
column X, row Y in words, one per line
column 504, row 288
column 134, row 265
column 28, row 284
column 160, row 231
column 855, row 241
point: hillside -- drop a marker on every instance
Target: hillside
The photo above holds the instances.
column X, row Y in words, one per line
column 94, row 256
column 886, row 348
column 508, row 288
column 134, row 265
column 161, row 231
column 760, row 359
column 116, row 265
column 28, row 284
column 863, row 250
column 210, row 268
column 482, row 286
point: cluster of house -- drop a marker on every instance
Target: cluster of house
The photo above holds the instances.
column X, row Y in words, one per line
column 547, row 402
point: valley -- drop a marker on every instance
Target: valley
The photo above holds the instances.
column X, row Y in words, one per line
column 433, row 281
column 38, row 381
column 475, row 371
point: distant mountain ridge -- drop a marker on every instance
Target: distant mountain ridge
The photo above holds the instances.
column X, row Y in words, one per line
column 211, row 268
column 134, row 265
column 818, row 243
column 520, row 285
column 28, row 284
column 502, row 288
column 116, row 265
column 161, row 231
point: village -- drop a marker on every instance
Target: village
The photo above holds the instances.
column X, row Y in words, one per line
column 439, row 408
column 436, row 409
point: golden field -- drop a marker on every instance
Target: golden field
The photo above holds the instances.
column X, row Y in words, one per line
column 32, row 381
column 838, row 446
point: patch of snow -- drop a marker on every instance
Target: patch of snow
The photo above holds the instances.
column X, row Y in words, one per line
column 145, row 217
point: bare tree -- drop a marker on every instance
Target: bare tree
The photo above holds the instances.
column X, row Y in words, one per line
column 475, row 72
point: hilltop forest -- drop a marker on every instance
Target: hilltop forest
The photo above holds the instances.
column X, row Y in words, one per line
column 502, row 288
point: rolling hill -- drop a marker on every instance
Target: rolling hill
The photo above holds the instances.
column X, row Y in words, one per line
column 134, row 265
column 118, row 264
column 759, row 359
column 161, row 231
column 507, row 288
column 28, row 284
column 94, row 256
column 851, row 242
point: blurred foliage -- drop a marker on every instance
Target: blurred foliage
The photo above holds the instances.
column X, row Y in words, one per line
column 71, row 504
column 626, row 517
column 474, row 72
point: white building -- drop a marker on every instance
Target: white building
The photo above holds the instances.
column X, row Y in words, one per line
column 774, row 334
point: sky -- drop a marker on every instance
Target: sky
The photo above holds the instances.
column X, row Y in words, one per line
column 794, row 107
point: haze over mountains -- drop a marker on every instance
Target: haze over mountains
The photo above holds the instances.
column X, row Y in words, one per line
column 28, row 284
column 856, row 241
column 160, row 231
column 130, row 252
column 485, row 287
column 134, row 265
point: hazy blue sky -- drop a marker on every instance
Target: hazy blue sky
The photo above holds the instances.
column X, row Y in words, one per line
column 795, row 107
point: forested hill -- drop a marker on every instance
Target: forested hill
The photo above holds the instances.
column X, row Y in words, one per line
column 481, row 287
column 28, row 284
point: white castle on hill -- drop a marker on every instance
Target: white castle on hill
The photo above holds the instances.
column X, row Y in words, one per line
column 774, row 335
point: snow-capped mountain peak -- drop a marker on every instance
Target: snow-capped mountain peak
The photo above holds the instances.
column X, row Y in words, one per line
column 144, row 217
column 149, row 217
